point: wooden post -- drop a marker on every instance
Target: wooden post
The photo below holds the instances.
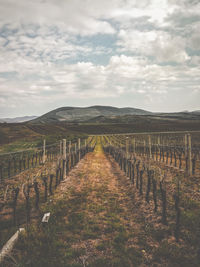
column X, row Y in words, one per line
column 158, row 146
column 144, row 146
column 127, row 147
column 185, row 142
column 7, row 248
column 189, row 146
column 75, row 147
column 150, row 146
column 79, row 149
column 60, row 148
column 44, row 151
column 69, row 150
column 64, row 158
column 134, row 145
column 127, row 154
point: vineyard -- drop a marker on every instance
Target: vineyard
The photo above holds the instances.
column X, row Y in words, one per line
column 109, row 200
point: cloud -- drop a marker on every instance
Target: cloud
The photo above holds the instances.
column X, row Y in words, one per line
column 74, row 16
column 88, row 50
column 157, row 44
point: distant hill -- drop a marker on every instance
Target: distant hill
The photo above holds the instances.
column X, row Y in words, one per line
column 197, row 112
column 17, row 119
column 77, row 114
column 101, row 114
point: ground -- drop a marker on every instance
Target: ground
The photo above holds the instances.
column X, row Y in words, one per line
column 98, row 219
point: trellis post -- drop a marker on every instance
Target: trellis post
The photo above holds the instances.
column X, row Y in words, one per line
column 144, row 146
column 185, row 142
column 60, row 147
column 64, row 158
column 79, row 149
column 127, row 153
column 150, row 146
column 189, row 152
column 134, row 145
column 44, row 151
column 158, row 145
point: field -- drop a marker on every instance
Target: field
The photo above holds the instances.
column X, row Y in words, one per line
column 115, row 199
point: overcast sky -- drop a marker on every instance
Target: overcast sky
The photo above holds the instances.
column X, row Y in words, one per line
column 143, row 54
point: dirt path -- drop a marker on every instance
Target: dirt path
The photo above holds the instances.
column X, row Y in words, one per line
column 95, row 221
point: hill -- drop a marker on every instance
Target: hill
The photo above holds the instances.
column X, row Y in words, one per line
column 77, row 114
column 17, row 119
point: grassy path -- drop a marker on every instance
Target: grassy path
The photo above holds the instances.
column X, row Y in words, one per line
column 94, row 222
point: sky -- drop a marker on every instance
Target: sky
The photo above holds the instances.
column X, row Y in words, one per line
column 124, row 53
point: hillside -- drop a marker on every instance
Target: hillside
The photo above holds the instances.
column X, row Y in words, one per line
column 77, row 114
column 17, row 119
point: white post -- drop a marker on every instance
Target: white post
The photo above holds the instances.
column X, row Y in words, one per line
column 150, row 146
column 44, row 151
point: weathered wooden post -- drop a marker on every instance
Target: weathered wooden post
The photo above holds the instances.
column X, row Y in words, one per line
column 74, row 156
column 7, row 248
column 150, row 155
column 134, row 146
column 185, row 142
column 44, row 151
column 79, row 149
column 69, row 150
column 60, row 148
column 64, row 158
column 159, row 146
column 144, row 147
column 189, row 149
column 127, row 154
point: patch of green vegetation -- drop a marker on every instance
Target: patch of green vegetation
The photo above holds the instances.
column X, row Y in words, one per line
column 101, row 262
column 101, row 246
column 174, row 255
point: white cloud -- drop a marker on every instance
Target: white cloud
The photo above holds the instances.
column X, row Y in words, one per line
column 53, row 50
column 158, row 44
column 78, row 17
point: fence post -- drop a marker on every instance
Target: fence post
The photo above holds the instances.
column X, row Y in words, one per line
column 44, row 151
column 1, row 174
column 189, row 146
column 134, row 145
column 159, row 147
column 144, row 147
column 185, row 142
column 127, row 154
column 60, row 148
column 79, row 149
column 64, row 158
column 150, row 155
column 69, row 150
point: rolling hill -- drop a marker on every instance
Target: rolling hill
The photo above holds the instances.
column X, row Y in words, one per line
column 17, row 119
column 77, row 114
